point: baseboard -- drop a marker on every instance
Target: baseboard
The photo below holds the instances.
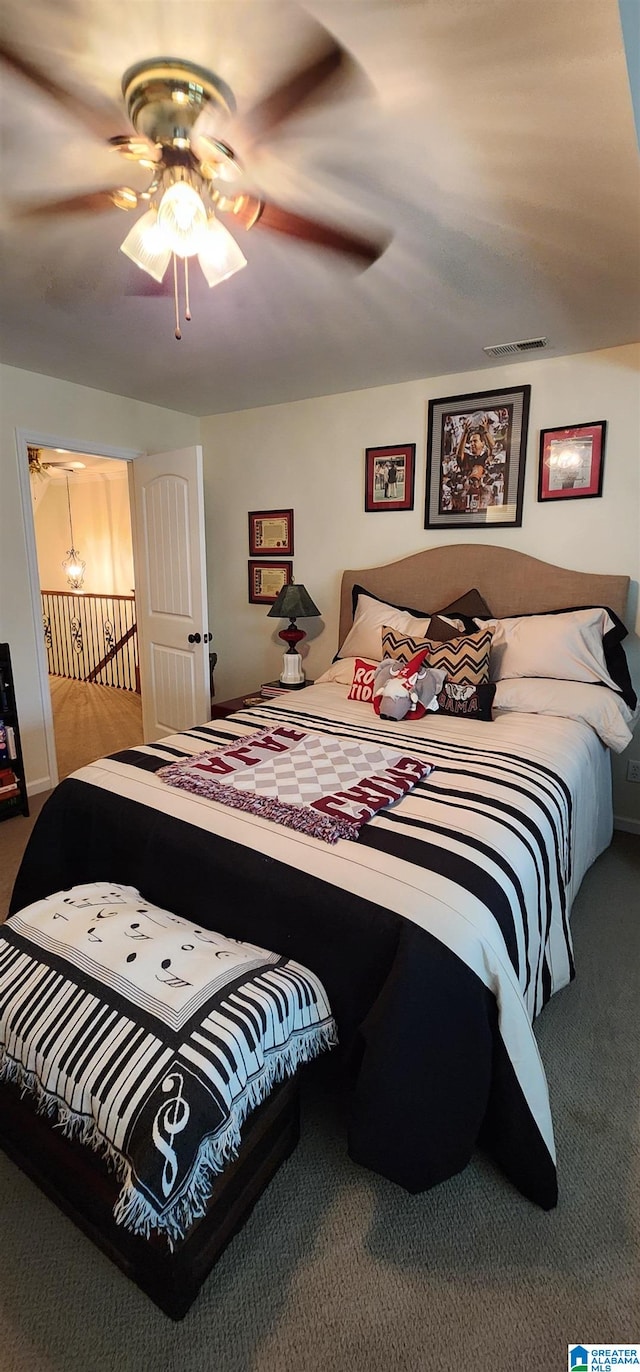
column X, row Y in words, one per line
column 40, row 784
column 628, row 826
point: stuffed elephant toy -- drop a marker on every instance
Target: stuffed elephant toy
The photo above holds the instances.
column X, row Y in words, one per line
column 406, row 689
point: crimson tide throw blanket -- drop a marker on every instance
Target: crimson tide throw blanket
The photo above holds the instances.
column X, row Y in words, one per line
column 322, row 785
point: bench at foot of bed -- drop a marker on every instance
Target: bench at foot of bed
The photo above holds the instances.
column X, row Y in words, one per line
column 82, row 1186
column 148, row 1075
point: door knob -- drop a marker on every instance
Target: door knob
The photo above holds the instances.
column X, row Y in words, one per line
column 194, row 638
column 206, row 638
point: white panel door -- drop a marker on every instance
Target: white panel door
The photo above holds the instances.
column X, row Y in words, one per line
column 171, row 591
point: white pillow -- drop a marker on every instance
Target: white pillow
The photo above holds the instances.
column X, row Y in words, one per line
column 604, row 710
column 567, row 647
column 342, row 671
column 364, row 638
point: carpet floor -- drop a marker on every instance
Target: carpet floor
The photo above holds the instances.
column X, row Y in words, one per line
column 338, row 1270
column 91, row 721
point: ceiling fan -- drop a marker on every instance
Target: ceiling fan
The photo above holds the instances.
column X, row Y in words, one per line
column 176, row 111
column 38, row 466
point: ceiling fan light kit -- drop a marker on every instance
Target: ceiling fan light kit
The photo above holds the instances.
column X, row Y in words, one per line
column 125, row 199
column 219, row 255
column 176, row 109
column 182, row 227
column 182, row 218
column 146, row 246
column 165, row 99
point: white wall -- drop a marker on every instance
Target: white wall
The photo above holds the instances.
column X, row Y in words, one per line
column 101, row 521
column 310, row 455
column 88, row 419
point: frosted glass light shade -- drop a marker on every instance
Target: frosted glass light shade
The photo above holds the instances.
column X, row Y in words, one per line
column 182, row 218
column 146, row 245
column 219, row 254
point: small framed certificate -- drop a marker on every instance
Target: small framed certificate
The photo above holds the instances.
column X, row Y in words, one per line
column 270, row 533
column 266, row 580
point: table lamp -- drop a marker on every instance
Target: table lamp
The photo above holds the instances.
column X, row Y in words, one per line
column 293, row 602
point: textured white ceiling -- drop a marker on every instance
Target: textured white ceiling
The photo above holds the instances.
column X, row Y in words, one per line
column 493, row 138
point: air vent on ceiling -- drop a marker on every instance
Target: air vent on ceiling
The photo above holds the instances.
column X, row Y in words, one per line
column 525, row 345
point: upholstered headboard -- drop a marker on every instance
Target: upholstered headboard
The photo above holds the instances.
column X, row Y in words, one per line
column 512, row 583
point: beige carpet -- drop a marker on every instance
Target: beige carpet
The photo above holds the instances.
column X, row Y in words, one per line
column 340, row 1271
column 90, row 721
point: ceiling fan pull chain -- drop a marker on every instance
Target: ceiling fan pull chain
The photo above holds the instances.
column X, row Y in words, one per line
column 175, row 296
column 187, row 307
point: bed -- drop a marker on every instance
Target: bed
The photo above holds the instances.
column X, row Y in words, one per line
column 444, row 929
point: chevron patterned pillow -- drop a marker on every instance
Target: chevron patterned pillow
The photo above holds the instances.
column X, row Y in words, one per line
column 465, row 659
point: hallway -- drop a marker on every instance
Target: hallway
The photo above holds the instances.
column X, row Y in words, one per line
column 91, row 720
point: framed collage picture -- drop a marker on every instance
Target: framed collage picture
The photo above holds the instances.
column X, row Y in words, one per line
column 572, row 461
column 476, row 451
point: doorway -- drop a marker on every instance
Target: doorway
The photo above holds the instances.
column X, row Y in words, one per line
column 84, row 558
column 166, row 495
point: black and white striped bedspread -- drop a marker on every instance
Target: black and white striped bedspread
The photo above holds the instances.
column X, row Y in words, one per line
column 481, row 859
column 150, row 1039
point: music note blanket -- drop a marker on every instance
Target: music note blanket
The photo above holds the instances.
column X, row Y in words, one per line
column 150, row 1039
column 323, row 785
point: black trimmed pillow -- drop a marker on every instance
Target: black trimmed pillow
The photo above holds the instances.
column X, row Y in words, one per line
column 364, row 639
column 357, row 591
column 441, row 625
column 469, row 606
column 612, row 639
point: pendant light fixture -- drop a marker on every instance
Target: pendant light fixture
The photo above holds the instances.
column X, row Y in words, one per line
column 183, row 224
column 175, row 108
column 72, row 564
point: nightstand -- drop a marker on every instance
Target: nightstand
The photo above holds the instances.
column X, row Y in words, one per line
column 221, row 708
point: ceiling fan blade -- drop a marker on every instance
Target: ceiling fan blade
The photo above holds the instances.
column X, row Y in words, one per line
column 88, row 202
column 99, row 121
column 287, row 98
column 277, row 220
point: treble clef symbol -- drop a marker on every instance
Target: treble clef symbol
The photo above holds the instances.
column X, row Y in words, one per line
column 171, row 1119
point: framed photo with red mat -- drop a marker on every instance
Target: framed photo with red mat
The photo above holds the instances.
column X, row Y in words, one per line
column 389, row 478
column 572, row 462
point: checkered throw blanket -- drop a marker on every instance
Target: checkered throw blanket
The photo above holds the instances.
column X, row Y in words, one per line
column 150, row 1039
column 322, row 785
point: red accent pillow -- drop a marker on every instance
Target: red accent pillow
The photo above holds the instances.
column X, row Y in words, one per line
column 362, row 684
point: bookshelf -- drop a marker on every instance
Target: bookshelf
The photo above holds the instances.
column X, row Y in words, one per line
column 13, row 787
